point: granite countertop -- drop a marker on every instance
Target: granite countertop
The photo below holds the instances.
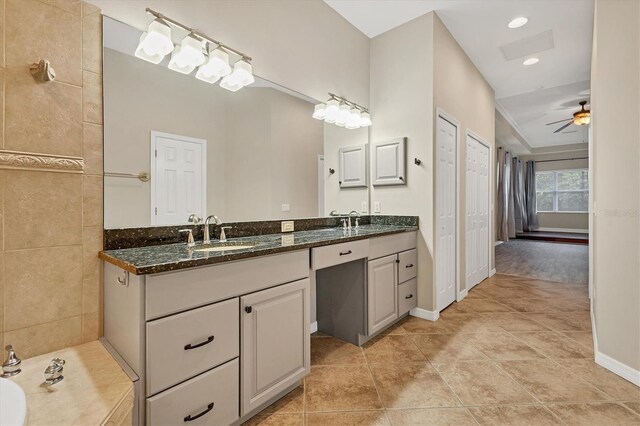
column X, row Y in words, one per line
column 171, row 257
column 95, row 390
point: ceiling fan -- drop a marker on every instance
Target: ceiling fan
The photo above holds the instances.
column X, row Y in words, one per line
column 580, row 118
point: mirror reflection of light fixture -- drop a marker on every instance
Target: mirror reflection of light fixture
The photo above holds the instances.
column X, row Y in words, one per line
column 342, row 112
column 210, row 56
column 155, row 43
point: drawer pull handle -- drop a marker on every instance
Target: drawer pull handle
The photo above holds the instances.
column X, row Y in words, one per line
column 197, row 345
column 190, row 418
column 344, row 253
column 409, row 296
column 409, row 265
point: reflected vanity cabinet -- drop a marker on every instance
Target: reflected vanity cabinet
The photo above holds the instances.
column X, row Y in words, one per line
column 211, row 345
column 391, row 279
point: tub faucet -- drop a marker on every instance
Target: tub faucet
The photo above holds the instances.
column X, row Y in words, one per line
column 216, row 220
column 53, row 373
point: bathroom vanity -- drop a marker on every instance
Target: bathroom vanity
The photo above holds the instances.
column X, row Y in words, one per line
column 217, row 336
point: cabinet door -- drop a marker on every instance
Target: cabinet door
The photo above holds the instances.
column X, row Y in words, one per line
column 275, row 351
column 382, row 292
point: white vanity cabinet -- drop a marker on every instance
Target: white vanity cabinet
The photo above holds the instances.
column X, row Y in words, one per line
column 382, row 294
column 275, row 342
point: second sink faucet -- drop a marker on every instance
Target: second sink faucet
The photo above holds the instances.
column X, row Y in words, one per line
column 357, row 216
column 216, row 220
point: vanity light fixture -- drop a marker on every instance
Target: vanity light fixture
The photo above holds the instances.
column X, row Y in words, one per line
column 196, row 50
column 342, row 112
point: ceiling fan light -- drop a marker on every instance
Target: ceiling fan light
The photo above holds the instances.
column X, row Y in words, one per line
column 582, row 119
column 517, row 22
column 319, row 111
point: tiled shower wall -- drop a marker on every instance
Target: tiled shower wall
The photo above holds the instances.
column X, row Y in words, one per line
column 51, row 189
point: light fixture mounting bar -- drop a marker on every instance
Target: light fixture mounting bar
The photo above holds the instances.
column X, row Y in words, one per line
column 348, row 102
column 197, row 33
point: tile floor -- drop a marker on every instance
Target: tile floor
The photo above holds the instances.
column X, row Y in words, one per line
column 516, row 351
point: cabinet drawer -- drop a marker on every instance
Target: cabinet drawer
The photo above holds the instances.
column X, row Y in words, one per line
column 407, row 296
column 391, row 244
column 322, row 257
column 183, row 345
column 212, row 395
column 408, row 267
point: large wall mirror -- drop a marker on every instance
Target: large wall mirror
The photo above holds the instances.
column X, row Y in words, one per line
column 176, row 146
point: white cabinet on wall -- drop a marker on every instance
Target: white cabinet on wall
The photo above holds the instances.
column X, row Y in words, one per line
column 389, row 162
column 353, row 166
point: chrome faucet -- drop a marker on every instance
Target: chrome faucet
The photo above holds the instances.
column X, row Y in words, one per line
column 357, row 216
column 11, row 365
column 53, row 373
column 195, row 219
column 223, row 236
column 216, row 220
column 190, row 241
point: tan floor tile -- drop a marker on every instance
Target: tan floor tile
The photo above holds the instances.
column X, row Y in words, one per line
column 606, row 381
column 528, row 304
column 469, row 323
column 332, row 351
column 348, row 418
column 559, row 321
column 487, row 305
column 431, row 416
column 549, row 382
column 276, row 420
column 554, row 345
column 634, row 406
column 585, row 338
column 515, row 415
column 293, row 402
column 447, row 347
column 396, row 328
column 513, row 322
column 477, row 293
column 419, row 325
column 340, row 388
column 504, row 346
column 481, row 383
column 392, row 348
column 595, row 414
column 412, row 385
column 459, row 307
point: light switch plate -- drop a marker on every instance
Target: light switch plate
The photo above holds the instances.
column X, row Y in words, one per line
column 363, row 207
column 376, row 207
column 287, row 226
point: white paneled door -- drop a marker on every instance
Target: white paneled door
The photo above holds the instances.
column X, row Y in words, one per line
column 178, row 178
column 477, row 222
column 446, row 191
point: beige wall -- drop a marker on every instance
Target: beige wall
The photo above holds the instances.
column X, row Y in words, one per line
column 303, row 45
column 462, row 92
column 262, row 144
column 562, row 221
column 615, row 106
column 402, row 106
column 416, row 68
column 50, row 295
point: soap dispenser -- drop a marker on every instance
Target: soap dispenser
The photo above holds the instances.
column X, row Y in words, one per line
column 11, row 365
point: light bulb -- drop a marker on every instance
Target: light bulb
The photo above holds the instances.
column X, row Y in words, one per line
column 230, row 84
column 187, row 56
column 242, row 73
column 319, row 111
column 365, row 119
column 331, row 111
column 155, row 43
column 343, row 115
column 216, row 66
column 353, row 122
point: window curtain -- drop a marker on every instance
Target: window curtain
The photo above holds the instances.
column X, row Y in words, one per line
column 504, row 191
column 519, row 197
column 530, row 197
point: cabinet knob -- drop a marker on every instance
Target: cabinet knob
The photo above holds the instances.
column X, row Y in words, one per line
column 248, row 309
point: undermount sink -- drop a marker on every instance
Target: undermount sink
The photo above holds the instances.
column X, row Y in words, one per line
column 223, row 247
column 13, row 404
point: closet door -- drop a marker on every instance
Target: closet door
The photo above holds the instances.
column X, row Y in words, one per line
column 477, row 210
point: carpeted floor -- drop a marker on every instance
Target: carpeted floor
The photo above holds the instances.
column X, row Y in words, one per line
column 567, row 263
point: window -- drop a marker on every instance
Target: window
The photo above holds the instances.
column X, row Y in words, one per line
column 562, row 191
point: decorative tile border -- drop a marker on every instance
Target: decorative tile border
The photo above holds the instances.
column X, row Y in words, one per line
column 42, row 162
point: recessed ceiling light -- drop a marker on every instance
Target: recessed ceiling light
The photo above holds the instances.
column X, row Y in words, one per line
column 531, row 61
column 518, row 22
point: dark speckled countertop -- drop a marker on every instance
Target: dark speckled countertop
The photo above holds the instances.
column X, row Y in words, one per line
column 171, row 257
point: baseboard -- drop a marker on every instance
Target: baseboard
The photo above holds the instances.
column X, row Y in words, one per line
column 314, row 327
column 424, row 314
column 462, row 295
column 618, row 368
column 492, row 272
column 571, row 230
column 497, row 243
